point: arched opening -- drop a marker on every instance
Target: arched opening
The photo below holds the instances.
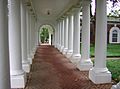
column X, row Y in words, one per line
column 45, row 35
column 114, row 36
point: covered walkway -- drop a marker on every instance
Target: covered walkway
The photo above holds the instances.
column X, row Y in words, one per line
column 20, row 23
column 52, row 70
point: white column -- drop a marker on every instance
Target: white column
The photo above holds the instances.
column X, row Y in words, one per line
column 70, row 36
column 52, row 38
column 85, row 62
column 4, row 50
column 76, row 37
column 99, row 73
column 30, row 39
column 117, row 86
column 25, row 62
column 18, row 77
column 39, row 38
column 65, row 36
column 33, row 37
column 64, row 28
column 62, row 35
column 34, row 34
column 57, row 35
column 28, row 36
column 49, row 38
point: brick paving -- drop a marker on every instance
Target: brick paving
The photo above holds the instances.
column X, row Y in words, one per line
column 52, row 70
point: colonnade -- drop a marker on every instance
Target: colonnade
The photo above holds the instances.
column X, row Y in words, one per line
column 18, row 40
column 69, row 44
column 17, row 43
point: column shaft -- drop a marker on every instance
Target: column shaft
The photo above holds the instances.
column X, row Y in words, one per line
column 62, row 35
column 57, row 35
column 28, row 36
column 49, row 38
column 32, row 38
column 70, row 36
column 65, row 36
column 25, row 61
column 76, row 37
column 76, row 32
column 4, row 49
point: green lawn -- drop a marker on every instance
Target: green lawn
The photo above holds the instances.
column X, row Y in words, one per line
column 114, row 68
column 113, row 50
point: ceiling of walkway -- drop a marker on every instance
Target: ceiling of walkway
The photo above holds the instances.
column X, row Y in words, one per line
column 50, row 10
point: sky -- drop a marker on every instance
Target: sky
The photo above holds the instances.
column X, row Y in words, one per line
column 109, row 7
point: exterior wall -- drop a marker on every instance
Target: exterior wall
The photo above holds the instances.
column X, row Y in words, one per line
column 109, row 26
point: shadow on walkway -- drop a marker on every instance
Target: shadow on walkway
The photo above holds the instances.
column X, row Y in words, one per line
column 52, row 70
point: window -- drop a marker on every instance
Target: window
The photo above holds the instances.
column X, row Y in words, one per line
column 114, row 36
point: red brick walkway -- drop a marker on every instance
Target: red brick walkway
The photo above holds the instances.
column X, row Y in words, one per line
column 52, row 70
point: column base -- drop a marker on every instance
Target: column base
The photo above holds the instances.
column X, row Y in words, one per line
column 65, row 51
column 69, row 53
column 55, row 46
column 61, row 49
column 58, row 46
column 26, row 67
column 100, row 75
column 30, row 60
column 85, row 65
column 18, row 81
column 75, row 58
column 117, row 86
column 32, row 55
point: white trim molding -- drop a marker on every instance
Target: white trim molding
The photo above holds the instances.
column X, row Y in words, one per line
column 112, row 30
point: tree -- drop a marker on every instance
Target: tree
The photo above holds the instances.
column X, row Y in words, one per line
column 44, row 35
column 115, row 12
column 115, row 1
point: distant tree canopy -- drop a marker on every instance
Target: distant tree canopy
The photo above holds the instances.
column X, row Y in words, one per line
column 44, row 35
column 115, row 1
column 115, row 12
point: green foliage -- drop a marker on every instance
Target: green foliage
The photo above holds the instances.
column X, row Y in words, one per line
column 114, row 68
column 92, row 50
column 44, row 35
column 114, row 13
column 113, row 50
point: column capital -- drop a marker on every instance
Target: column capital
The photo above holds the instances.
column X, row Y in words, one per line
column 69, row 13
column 76, row 10
column 86, row 2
